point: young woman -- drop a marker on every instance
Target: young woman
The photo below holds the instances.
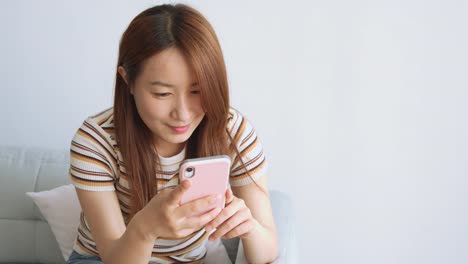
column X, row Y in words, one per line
column 171, row 103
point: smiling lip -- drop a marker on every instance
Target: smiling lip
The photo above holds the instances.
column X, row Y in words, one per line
column 180, row 130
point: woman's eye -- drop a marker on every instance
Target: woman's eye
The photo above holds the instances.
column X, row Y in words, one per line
column 161, row 94
column 195, row 92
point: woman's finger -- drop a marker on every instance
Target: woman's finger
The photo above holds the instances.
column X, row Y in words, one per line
column 229, row 196
column 199, row 221
column 198, row 206
column 176, row 194
column 225, row 214
column 238, row 218
column 241, row 230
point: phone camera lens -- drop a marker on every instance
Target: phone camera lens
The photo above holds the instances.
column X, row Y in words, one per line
column 189, row 172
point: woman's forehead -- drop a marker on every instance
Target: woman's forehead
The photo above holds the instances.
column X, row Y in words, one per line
column 168, row 67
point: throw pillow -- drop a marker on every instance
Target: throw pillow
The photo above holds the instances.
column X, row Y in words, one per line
column 61, row 209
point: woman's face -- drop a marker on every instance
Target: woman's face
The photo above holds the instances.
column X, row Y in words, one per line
column 167, row 98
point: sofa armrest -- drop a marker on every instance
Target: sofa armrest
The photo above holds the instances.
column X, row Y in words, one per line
column 283, row 212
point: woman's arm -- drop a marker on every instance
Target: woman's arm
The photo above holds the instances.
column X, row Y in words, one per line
column 163, row 216
column 249, row 216
column 261, row 245
column 116, row 243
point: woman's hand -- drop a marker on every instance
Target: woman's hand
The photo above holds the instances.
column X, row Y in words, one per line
column 164, row 217
column 235, row 220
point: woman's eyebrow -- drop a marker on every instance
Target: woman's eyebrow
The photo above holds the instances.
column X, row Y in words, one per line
column 160, row 83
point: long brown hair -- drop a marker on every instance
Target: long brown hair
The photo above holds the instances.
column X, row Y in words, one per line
column 152, row 31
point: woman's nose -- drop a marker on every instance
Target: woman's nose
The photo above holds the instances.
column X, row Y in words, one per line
column 181, row 110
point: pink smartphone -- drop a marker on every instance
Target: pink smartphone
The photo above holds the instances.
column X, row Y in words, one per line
column 209, row 175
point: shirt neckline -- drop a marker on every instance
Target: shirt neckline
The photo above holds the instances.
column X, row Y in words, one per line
column 177, row 158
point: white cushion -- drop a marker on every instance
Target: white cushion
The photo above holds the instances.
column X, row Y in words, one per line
column 61, row 209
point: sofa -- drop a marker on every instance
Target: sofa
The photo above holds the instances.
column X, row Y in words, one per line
column 26, row 236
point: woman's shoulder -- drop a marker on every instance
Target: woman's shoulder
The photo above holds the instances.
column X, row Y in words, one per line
column 98, row 129
column 235, row 118
column 238, row 125
column 251, row 164
column 104, row 119
column 94, row 154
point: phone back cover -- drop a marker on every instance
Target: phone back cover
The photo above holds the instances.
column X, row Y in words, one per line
column 211, row 177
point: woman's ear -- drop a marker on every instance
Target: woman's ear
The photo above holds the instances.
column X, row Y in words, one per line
column 123, row 74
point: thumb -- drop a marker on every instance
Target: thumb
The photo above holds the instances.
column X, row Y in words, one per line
column 176, row 194
column 229, row 196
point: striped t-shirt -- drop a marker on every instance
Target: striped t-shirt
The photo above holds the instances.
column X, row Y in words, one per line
column 96, row 164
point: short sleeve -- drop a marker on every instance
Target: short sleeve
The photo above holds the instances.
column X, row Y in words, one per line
column 92, row 159
column 253, row 164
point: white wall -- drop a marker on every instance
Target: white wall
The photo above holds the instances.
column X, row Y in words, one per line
column 361, row 107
